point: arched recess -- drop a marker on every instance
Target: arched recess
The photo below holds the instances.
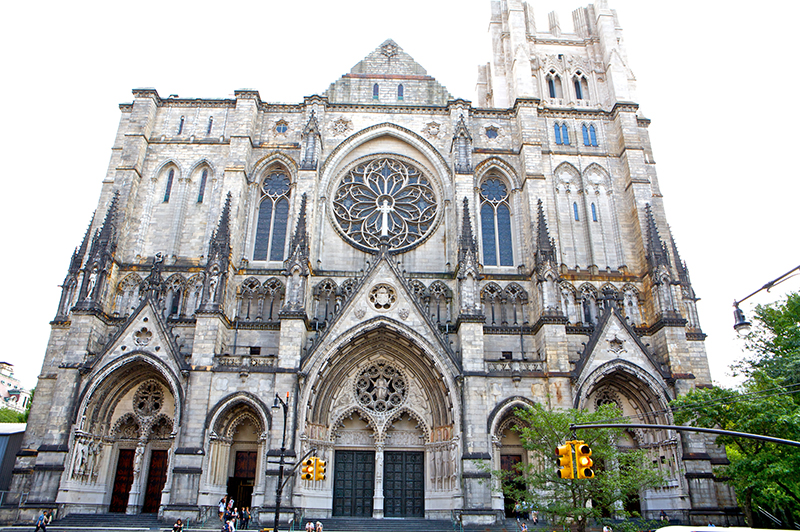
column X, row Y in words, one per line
column 237, row 429
column 382, row 391
column 571, row 219
column 643, row 398
column 122, row 442
column 602, row 227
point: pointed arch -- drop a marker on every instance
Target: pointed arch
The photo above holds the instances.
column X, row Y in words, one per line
column 503, row 410
column 272, row 219
column 223, row 415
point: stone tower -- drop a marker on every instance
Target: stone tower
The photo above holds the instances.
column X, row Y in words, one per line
column 408, row 267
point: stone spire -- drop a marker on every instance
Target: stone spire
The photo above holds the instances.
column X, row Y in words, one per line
column 467, row 245
column 77, row 256
column 680, row 266
column 219, row 252
column 70, row 284
column 296, row 268
column 469, row 268
column 98, row 264
column 462, row 147
column 656, row 250
column 545, row 247
column 311, row 143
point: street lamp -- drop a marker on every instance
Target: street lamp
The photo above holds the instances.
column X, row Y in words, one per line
column 278, row 403
column 741, row 325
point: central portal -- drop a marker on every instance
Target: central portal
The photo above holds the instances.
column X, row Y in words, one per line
column 353, row 483
column 404, row 484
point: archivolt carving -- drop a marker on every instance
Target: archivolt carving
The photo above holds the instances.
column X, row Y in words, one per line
column 161, row 428
column 126, row 428
column 149, row 398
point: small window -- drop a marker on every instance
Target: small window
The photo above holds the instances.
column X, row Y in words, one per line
column 564, row 135
column 557, row 130
column 281, row 127
column 400, row 92
column 593, row 135
column 586, row 141
column 578, row 91
column 491, row 132
column 203, row 179
column 210, row 125
column 180, row 125
column 507, row 355
column 255, row 351
column 594, row 213
column 575, row 211
column 551, row 85
column 375, row 92
column 167, row 191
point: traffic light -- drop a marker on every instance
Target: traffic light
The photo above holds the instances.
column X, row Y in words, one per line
column 582, row 461
column 307, row 469
column 564, row 461
column 319, row 472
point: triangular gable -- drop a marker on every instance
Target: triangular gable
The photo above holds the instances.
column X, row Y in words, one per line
column 614, row 339
column 144, row 330
column 382, row 293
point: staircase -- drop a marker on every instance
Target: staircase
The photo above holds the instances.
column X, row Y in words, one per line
column 108, row 521
column 350, row 524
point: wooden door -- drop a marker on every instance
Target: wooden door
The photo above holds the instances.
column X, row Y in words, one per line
column 122, row 481
column 404, row 484
column 156, row 478
column 353, row 483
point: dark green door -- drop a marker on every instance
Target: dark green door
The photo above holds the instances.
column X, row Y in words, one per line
column 353, row 483
column 404, row 484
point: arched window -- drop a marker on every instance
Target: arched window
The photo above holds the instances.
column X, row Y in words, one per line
column 564, row 135
column 593, row 135
column 581, row 87
column 554, row 85
column 168, row 189
column 210, row 125
column 586, row 141
column 557, row 130
column 594, row 213
column 400, row 92
column 551, row 86
column 180, row 125
column 273, row 216
column 375, row 92
column 575, row 211
column 203, row 179
column 496, row 224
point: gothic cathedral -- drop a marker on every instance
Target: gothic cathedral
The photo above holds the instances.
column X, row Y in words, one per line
column 403, row 268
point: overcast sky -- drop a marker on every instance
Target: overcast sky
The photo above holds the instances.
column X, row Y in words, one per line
column 717, row 79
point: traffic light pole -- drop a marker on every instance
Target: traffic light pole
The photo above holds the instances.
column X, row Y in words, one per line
column 682, row 428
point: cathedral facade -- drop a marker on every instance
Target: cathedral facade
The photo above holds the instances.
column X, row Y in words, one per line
column 401, row 267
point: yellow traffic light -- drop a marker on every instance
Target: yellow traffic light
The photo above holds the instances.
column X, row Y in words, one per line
column 582, row 461
column 307, row 469
column 319, row 472
column 564, row 461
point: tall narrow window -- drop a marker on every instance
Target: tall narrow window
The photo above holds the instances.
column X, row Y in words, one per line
column 564, row 134
column 400, row 92
column 575, row 211
column 203, row 179
column 496, row 224
column 375, row 92
column 578, row 91
column 180, row 125
column 557, row 130
column 551, row 86
column 273, row 217
column 210, row 125
column 586, row 141
column 593, row 135
column 168, row 189
column 594, row 213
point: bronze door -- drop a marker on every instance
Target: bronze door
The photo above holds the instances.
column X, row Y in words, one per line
column 156, row 478
column 353, row 483
column 122, row 481
column 404, row 484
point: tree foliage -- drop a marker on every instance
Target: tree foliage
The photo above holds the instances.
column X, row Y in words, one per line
column 763, row 474
column 619, row 474
column 12, row 416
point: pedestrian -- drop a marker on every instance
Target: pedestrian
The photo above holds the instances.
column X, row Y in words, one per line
column 178, row 526
column 535, row 517
column 223, row 503
column 310, row 526
column 42, row 521
column 319, row 526
column 245, row 517
column 663, row 517
column 517, row 510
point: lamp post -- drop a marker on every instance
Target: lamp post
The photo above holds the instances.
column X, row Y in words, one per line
column 278, row 403
column 741, row 325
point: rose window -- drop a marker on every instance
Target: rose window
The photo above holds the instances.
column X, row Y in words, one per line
column 385, row 199
column 149, row 399
column 380, row 387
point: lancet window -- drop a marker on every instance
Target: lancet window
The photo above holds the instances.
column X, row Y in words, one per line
column 496, row 223
column 273, row 216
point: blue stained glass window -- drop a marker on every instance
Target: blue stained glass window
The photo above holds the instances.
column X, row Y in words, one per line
column 487, row 232
column 180, row 126
column 551, row 85
column 578, row 91
column 594, row 213
column 504, row 235
column 210, row 125
column 558, row 133
column 400, row 92
column 167, row 191
column 203, row 180
column 375, row 92
column 586, row 135
column 279, row 231
column 262, row 230
column 575, row 212
column 593, row 135
column 564, row 134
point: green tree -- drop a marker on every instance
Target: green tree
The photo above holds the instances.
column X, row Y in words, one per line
column 12, row 416
column 620, row 474
column 762, row 473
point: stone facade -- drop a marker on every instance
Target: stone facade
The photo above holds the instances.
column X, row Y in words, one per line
column 407, row 267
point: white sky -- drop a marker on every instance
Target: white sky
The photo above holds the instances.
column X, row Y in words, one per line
column 716, row 78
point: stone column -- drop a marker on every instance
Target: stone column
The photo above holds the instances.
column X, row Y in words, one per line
column 377, row 500
column 134, row 496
